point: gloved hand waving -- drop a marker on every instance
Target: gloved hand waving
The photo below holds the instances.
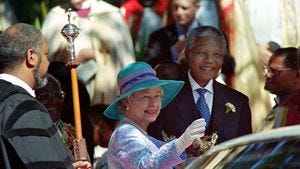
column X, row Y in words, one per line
column 195, row 130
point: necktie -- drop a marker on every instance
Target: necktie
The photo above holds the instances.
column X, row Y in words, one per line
column 202, row 106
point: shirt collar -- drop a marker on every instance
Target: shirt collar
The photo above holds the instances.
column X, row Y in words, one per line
column 180, row 29
column 276, row 100
column 18, row 82
column 195, row 85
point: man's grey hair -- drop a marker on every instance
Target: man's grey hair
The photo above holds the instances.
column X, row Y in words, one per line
column 205, row 31
column 15, row 41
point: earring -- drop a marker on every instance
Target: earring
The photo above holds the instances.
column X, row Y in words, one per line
column 127, row 108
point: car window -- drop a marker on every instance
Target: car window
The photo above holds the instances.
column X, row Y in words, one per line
column 275, row 149
column 283, row 153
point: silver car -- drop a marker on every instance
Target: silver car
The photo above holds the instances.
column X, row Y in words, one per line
column 275, row 149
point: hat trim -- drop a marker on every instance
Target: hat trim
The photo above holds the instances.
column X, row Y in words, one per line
column 132, row 75
column 113, row 111
column 139, row 79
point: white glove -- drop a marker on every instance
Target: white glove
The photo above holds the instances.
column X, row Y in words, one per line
column 195, row 130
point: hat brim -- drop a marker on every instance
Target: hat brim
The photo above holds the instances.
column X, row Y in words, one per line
column 170, row 89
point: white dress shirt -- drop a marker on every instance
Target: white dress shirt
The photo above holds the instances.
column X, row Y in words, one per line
column 18, row 82
column 208, row 95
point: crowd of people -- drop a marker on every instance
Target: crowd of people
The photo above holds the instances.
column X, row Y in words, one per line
column 148, row 91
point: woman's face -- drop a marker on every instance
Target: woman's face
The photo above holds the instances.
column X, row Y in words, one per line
column 143, row 106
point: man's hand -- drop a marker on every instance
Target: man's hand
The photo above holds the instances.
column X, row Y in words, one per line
column 85, row 55
column 180, row 44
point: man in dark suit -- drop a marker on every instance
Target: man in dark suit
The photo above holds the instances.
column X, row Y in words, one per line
column 168, row 42
column 228, row 110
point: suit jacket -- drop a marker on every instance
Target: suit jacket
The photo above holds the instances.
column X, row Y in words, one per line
column 182, row 111
column 160, row 43
column 286, row 113
column 290, row 110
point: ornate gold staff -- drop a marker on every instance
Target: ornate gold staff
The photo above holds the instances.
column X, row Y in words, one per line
column 70, row 32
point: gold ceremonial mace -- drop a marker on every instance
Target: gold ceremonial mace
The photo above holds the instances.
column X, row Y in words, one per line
column 70, row 32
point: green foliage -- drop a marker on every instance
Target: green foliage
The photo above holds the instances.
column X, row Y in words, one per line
column 30, row 11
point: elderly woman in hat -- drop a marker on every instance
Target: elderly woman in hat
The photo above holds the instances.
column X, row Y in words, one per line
column 142, row 95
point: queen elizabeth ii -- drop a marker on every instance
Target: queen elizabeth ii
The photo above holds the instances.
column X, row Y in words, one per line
column 142, row 95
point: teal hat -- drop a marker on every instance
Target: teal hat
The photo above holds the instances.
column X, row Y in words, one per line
column 138, row 76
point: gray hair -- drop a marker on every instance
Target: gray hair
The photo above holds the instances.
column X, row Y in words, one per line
column 15, row 41
column 121, row 104
column 205, row 31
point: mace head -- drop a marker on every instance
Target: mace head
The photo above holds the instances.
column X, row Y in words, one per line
column 70, row 31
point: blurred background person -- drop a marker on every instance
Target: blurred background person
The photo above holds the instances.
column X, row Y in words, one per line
column 103, row 46
column 133, row 12
column 63, row 75
column 168, row 42
column 52, row 97
column 103, row 128
column 143, row 17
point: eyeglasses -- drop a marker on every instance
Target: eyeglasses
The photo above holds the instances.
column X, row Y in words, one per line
column 268, row 70
column 60, row 96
